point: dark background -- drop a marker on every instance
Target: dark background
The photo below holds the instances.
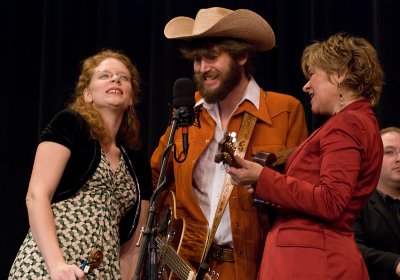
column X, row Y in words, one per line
column 43, row 42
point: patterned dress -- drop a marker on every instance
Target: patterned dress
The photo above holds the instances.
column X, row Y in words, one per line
column 85, row 222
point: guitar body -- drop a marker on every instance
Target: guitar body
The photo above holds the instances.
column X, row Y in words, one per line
column 181, row 240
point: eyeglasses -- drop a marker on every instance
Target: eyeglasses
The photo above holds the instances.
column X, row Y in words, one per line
column 108, row 75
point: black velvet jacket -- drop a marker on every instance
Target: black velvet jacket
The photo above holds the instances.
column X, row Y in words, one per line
column 69, row 129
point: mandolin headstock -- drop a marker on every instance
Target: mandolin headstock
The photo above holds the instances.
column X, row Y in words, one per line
column 226, row 150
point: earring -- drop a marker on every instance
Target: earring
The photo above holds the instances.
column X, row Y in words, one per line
column 129, row 116
column 341, row 101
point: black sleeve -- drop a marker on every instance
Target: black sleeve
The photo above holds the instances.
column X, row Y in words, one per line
column 69, row 129
column 64, row 129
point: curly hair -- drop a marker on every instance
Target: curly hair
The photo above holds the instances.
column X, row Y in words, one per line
column 128, row 134
column 354, row 57
column 236, row 48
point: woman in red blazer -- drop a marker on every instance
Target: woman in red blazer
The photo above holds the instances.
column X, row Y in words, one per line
column 331, row 175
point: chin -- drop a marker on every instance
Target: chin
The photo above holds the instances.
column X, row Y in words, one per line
column 315, row 111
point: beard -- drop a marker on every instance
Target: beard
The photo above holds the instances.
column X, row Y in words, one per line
column 228, row 81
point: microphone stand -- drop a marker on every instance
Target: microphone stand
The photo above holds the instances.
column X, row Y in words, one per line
column 148, row 232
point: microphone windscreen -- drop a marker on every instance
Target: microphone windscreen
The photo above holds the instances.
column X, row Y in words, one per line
column 183, row 93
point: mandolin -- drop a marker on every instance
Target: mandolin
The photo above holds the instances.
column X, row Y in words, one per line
column 276, row 161
column 227, row 147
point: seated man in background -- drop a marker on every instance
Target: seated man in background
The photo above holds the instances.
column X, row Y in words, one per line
column 377, row 229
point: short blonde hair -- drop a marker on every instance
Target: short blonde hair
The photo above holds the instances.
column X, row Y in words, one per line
column 352, row 56
column 390, row 129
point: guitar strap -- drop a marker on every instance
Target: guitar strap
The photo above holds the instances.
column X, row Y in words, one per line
column 243, row 138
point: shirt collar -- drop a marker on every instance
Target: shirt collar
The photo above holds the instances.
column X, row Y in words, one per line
column 388, row 198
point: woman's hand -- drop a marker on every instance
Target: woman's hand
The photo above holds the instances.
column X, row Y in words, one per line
column 64, row 271
column 247, row 175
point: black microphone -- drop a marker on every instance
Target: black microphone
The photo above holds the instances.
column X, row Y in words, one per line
column 183, row 103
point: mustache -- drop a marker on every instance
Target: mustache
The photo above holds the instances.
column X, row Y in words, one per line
column 201, row 77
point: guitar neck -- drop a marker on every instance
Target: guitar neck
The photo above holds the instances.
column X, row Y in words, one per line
column 272, row 160
column 282, row 157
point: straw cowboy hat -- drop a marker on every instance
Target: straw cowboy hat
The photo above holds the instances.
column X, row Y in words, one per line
column 220, row 22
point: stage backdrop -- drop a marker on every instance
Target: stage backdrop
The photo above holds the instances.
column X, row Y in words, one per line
column 43, row 42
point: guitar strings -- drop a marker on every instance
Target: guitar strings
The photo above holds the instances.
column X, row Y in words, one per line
column 177, row 262
column 173, row 260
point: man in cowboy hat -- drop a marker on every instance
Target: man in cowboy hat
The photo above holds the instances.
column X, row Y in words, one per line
column 222, row 43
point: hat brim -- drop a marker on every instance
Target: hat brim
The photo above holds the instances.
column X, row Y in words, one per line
column 240, row 24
